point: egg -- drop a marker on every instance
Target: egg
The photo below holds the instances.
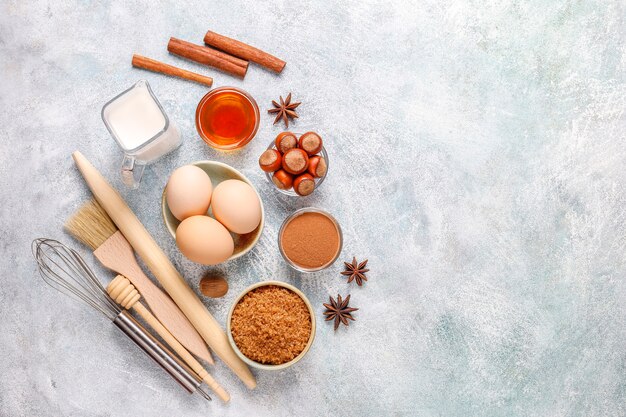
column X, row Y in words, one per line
column 188, row 192
column 237, row 206
column 204, row 240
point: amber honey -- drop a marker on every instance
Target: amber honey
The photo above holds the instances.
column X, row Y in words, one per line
column 227, row 118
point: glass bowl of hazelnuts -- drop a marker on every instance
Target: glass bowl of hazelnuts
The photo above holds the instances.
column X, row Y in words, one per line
column 295, row 163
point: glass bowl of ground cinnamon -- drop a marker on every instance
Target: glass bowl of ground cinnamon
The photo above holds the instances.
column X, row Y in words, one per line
column 271, row 325
column 310, row 240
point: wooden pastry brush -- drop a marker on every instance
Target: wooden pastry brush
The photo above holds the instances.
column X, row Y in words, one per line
column 93, row 227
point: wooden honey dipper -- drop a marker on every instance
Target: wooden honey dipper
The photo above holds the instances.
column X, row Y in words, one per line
column 125, row 294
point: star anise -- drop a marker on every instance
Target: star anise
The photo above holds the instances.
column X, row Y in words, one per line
column 284, row 110
column 356, row 271
column 339, row 310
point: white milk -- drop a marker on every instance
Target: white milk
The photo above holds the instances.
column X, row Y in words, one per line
column 135, row 118
column 138, row 124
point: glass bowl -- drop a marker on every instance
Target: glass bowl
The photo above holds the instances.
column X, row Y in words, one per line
column 243, row 141
column 296, row 214
column 318, row 181
column 264, row 366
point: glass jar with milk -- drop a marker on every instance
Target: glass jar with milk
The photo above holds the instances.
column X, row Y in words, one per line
column 141, row 128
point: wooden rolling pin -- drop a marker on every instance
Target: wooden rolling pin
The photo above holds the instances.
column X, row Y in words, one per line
column 125, row 294
column 162, row 268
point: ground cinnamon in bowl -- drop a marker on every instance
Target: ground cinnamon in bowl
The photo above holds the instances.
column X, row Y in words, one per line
column 271, row 325
column 310, row 240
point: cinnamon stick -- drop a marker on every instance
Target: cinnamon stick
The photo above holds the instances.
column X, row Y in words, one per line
column 206, row 56
column 227, row 57
column 160, row 67
column 244, row 51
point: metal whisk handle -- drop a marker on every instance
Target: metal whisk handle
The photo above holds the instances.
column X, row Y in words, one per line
column 178, row 370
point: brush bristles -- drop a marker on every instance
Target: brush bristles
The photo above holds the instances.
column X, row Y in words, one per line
column 91, row 225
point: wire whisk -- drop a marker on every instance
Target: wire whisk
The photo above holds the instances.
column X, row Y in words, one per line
column 66, row 271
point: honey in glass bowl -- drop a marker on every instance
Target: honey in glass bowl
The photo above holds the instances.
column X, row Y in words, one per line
column 227, row 118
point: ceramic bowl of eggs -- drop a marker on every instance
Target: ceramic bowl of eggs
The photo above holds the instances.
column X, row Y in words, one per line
column 213, row 211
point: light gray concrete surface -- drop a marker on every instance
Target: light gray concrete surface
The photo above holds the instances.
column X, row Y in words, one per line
column 477, row 156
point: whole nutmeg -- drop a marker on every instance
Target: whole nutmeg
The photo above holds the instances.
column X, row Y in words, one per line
column 213, row 285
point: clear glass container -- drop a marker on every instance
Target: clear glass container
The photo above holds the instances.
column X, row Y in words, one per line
column 227, row 118
column 293, row 216
column 318, row 181
column 141, row 129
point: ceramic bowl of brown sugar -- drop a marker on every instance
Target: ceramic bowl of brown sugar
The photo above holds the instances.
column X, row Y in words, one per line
column 271, row 325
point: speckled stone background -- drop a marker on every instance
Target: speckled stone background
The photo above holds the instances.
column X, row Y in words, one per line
column 477, row 158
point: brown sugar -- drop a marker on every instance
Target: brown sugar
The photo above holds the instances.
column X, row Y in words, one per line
column 310, row 240
column 271, row 325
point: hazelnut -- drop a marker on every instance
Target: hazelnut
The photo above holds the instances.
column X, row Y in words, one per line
column 285, row 141
column 304, row 184
column 295, row 161
column 270, row 160
column 317, row 166
column 282, row 179
column 310, row 142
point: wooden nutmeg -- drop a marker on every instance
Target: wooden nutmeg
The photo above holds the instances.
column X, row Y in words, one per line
column 310, row 142
column 295, row 161
column 213, row 285
column 282, row 179
column 286, row 141
column 317, row 166
column 270, row 160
